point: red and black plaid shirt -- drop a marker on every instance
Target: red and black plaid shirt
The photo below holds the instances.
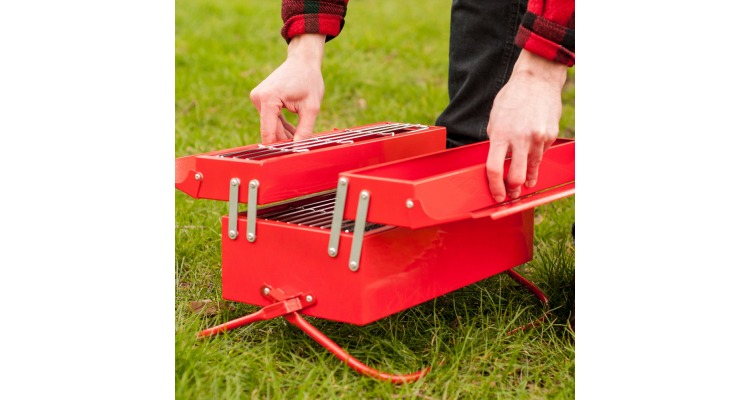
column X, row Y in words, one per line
column 547, row 29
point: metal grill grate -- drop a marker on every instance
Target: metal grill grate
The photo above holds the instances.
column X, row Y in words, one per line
column 316, row 214
column 342, row 137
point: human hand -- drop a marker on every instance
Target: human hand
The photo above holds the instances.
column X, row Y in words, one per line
column 525, row 119
column 296, row 85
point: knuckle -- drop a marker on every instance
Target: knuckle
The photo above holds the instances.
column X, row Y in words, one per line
column 538, row 136
column 516, row 180
column 494, row 171
column 534, row 162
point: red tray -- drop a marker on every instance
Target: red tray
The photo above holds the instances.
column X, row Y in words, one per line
column 451, row 185
column 282, row 177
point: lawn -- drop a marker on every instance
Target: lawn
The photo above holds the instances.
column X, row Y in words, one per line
column 222, row 50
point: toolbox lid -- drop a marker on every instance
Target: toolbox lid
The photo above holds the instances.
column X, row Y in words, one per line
column 452, row 185
column 288, row 169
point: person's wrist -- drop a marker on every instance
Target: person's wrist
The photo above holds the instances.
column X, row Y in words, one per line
column 307, row 48
column 532, row 66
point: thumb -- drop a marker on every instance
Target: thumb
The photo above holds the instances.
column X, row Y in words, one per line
column 306, row 123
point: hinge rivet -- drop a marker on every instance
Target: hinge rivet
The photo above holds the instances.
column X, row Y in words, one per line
column 342, row 181
column 266, row 291
column 198, row 177
column 332, row 251
column 232, row 234
column 251, row 237
column 353, row 266
column 409, row 203
column 233, row 182
column 365, row 195
column 253, row 184
column 308, row 298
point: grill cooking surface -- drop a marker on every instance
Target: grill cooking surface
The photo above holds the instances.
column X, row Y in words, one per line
column 318, row 213
column 343, row 137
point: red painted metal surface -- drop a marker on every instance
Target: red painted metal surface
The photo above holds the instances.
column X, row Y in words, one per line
column 399, row 267
column 278, row 309
column 448, row 186
column 298, row 174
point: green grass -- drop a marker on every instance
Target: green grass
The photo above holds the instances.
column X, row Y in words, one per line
column 390, row 63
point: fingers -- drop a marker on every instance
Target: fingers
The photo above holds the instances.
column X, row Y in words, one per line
column 306, row 123
column 495, row 168
column 270, row 124
column 280, row 131
column 517, row 172
column 534, row 160
column 272, row 128
column 289, row 129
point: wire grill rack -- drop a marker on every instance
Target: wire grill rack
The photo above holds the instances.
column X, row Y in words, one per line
column 343, row 137
column 315, row 214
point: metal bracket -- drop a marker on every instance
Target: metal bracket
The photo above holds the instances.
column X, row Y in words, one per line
column 234, row 194
column 338, row 217
column 359, row 229
column 252, row 209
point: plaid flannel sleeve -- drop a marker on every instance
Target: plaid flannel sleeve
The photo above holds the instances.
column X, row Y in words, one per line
column 312, row 16
column 548, row 30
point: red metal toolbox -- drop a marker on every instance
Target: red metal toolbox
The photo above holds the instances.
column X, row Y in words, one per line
column 387, row 219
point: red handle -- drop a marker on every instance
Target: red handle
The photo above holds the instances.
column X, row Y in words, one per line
column 524, row 203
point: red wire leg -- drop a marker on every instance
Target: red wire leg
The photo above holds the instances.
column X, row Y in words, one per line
column 272, row 311
column 352, row 362
column 537, row 292
column 288, row 309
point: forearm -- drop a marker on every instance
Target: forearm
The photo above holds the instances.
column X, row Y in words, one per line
column 536, row 68
column 307, row 48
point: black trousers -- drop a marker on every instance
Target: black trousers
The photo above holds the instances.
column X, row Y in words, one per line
column 481, row 59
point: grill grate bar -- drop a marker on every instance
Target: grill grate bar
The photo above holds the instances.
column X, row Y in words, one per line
column 322, row 218
column 314, row 214
column 317, row 214
column 284, row 212
column 298, row 147
column 302, row 213
column 335, row 138
column 307, row 147
column 296, row 210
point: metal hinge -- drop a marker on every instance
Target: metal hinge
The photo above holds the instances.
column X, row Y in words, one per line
column 252, row 209
column 359, row 230
column 234, row 195
column 338, row 217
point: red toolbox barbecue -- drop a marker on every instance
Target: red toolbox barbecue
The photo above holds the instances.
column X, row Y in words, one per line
column 354, row 225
